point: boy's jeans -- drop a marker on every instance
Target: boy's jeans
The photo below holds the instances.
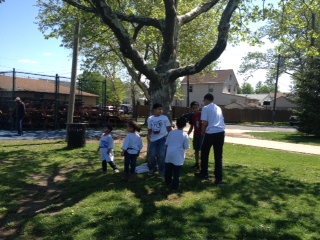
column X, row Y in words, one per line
column 130, row 160
column 172, row 175
column 157, row 153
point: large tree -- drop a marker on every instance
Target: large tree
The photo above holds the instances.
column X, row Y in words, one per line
column 179, row 38
column 294, row 29
column 308, row 98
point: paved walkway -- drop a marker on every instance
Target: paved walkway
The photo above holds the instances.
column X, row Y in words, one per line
column 290, row 147
column 95, row 134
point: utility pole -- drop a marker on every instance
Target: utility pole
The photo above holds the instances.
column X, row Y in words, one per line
column 188, row 91
column 73, row 73
column 275, row 92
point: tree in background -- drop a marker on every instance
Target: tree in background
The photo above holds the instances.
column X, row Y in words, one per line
column 255, row 61
column 159, row 40
column 93, row 82
column 261, row 88
column 293, row 27
column 308, row 98
column 246, row 88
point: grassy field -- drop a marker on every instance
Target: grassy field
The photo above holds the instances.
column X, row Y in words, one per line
column 287, row 137
column 50, row 192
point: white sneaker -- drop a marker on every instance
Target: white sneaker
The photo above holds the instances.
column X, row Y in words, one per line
column 116, row 170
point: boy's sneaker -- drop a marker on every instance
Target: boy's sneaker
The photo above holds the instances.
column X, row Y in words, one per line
column 200, row 175
column 161, row 175
column 116, row 170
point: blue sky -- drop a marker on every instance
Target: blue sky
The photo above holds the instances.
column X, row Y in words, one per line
column 23, row 47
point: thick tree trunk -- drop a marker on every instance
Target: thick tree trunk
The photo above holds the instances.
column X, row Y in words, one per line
column 162, row 93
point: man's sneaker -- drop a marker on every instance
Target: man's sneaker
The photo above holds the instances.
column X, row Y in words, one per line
column 196, row 166
column 116, row 170
column 151, row 172
column 218, row 183
column 200, row 175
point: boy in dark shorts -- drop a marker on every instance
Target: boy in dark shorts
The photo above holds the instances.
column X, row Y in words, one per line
column 195, row 125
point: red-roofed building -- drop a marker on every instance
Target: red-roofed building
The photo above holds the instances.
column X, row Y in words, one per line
column 30, row 90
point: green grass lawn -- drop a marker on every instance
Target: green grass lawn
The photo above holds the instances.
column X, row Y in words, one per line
column 287, row 137
column 50, row 192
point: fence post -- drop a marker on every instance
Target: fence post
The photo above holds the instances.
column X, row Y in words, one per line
column 56, row 102
column 13, row 95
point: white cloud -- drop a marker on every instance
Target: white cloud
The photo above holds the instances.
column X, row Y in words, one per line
column 231, row 58
column 47, row 54
column 27, row 61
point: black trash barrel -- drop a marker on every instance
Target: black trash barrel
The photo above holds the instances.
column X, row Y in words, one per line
column 76, row 135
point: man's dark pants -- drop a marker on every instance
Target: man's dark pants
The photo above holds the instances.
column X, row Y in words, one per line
column 215, row 140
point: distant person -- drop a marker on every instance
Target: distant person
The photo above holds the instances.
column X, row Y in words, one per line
column 177, row 143
column 195, row 126
column 158, row 128
column 213, row 129
column 106, row 147
column 131, row 148
column 19, row 114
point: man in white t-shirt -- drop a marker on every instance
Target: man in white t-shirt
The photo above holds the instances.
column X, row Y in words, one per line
column 213, row 129
column 158, row 128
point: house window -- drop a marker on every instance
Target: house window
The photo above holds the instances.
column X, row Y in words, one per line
column 230, row 77
column 210, row 87
column 190, row 88
column 229, row 88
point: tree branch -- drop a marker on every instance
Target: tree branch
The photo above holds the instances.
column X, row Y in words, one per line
column 81, row 7
column 218, row 49
column 194, row 13
column 109, row 18
column 144, row 21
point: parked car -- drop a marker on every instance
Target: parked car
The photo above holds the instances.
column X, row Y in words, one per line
column 126, row 109
column 111, row 110
column 293, row 120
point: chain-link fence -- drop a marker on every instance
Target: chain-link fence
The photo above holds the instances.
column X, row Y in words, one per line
column 46, row 98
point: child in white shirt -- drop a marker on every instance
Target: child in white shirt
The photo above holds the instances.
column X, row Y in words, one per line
column 177, row 142
column 158, row 128
column 131, row 148
column 106, row 147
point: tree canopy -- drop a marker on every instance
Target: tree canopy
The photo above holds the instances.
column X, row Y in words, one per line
column 308, row 97
column 160, row 40
column 292, row 26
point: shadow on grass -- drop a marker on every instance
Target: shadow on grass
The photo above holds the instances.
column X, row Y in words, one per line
column 300, row 138
column 35, row 183
column 297, row 138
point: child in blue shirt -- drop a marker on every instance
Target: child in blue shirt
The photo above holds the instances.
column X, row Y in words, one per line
column 131, row 148
column 106, row 147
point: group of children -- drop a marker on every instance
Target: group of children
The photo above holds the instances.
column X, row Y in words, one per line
column 166, row 146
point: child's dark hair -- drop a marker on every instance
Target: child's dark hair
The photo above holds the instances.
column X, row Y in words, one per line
column 134, row 125
column 181, row 122
column 194, row 103
column 108, row 126
column 156, row 105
